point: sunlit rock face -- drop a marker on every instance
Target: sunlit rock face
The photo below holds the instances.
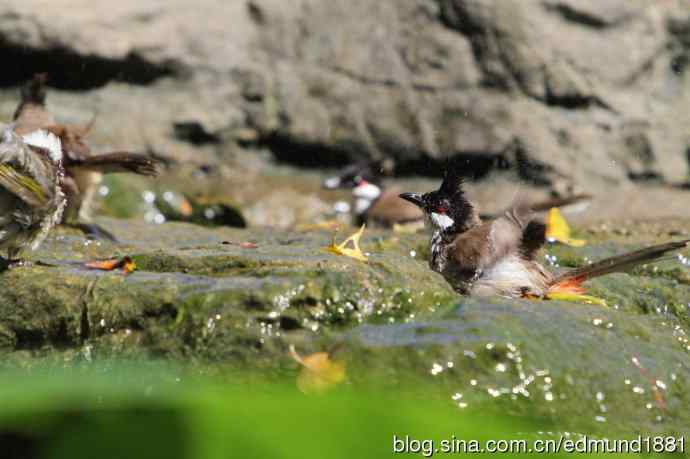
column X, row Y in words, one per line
column 549, row 89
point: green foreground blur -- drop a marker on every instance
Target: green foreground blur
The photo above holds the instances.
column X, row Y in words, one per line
column 125, row 411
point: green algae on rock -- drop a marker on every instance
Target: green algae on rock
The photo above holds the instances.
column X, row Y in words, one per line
column 202, row 297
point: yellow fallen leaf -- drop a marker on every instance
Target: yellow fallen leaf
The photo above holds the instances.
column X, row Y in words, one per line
column 342, row 249
column 128, row 265
column 558, row 230
column 319, row 373
column 576, row 298
column 329, row 225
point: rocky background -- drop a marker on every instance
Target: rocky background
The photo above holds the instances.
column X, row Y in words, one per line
column 562, row 94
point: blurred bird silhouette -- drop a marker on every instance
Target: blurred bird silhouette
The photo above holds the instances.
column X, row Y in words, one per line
column 84, row 169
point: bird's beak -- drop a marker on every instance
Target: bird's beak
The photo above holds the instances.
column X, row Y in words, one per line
column 414, row 198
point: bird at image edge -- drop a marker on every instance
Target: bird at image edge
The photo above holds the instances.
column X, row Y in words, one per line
column 31, row 196
column 83, row 169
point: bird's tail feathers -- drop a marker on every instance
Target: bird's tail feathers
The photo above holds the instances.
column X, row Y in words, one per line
column 575, row 277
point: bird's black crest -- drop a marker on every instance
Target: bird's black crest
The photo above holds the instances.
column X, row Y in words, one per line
column 34, row 90
column 452, row 182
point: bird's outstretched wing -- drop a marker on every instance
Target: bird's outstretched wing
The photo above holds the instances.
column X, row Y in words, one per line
column 23, row 186
column 119, row 161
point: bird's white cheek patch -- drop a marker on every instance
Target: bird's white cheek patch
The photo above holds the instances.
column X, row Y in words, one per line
column 367, row 191
column 365, row 195
column 47, row 140
column 441, row 220
column 362, row 205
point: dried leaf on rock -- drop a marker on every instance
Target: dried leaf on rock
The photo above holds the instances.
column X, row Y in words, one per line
column 318, row 373
column 342, row 249
column 126, row 264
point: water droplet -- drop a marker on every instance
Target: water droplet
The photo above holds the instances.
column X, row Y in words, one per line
column 436, row 369
column 148, row 196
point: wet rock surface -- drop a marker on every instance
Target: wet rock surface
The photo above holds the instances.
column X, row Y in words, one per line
column 239, row 297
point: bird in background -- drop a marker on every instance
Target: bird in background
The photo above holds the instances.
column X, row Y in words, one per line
column 84, row 169
column 498, row 256
column 374, row 203
column 31, row 196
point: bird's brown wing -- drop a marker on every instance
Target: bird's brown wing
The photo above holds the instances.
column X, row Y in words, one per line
column 120, row 161
column 543, row 206
column 532, row 233
column 390, row 209
column 23, row 184
column 74, row 148
column 471, row 251
column 482, row 246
